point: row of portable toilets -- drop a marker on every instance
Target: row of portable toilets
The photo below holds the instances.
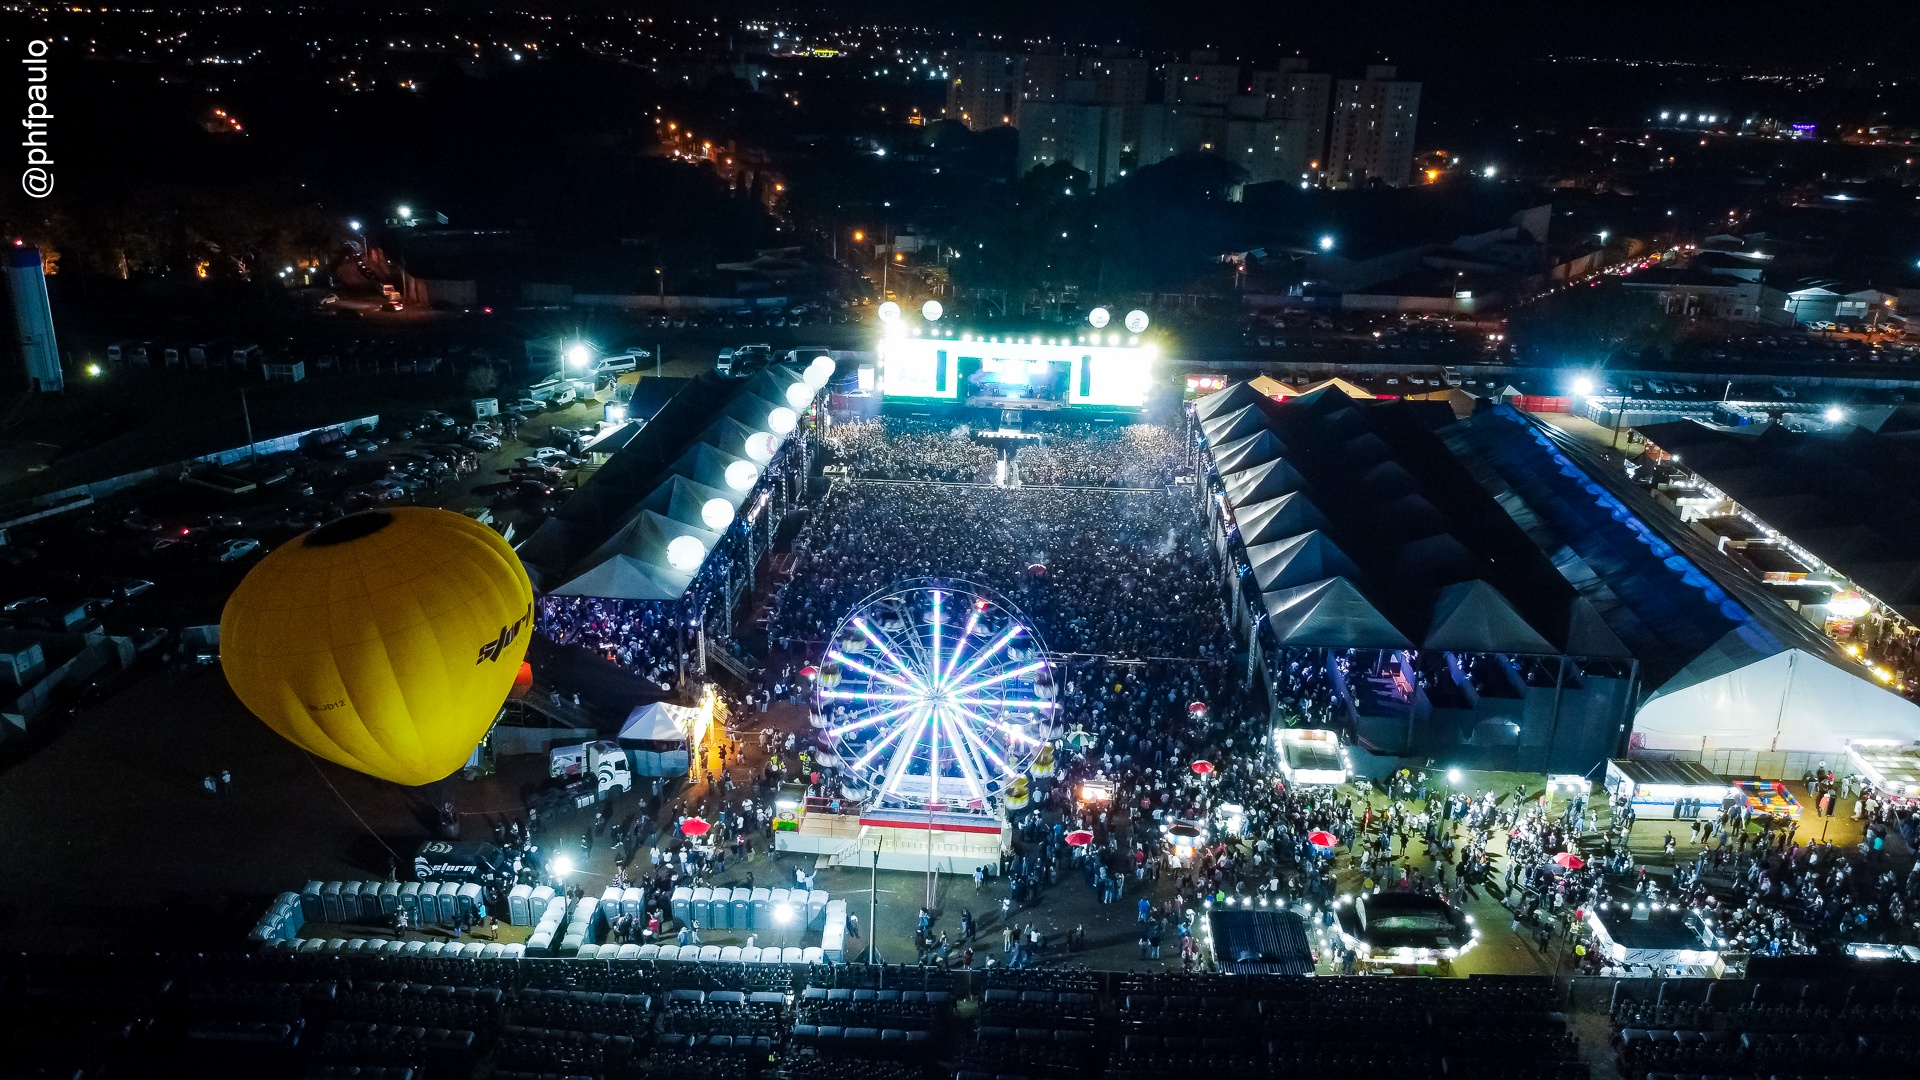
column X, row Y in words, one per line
column 561, row 927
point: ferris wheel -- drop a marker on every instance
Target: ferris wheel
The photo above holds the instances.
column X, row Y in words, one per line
column 934, row 694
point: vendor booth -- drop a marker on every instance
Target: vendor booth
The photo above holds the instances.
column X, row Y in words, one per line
column 1661, row 938
column 660, row 737
column 1890, row 768
column 1658, row 788
column 1311, row 756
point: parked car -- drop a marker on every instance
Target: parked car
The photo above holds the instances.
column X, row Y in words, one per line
column 235, row 550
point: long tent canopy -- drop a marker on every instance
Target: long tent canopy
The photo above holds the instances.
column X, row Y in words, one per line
column 612, row 538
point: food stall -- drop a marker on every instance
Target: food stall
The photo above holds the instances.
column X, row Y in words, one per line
column 1658, row 788
column 1892, row 769
column 1311, row 756
column 1769, row 798
column 1655, row 937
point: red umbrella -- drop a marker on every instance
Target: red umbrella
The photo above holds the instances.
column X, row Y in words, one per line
column 809, row 671
column 1079, row 838
column 1203, row 767
column 1198, row 708
column 1567, row 860
column 694, row 826
column 1322, row 838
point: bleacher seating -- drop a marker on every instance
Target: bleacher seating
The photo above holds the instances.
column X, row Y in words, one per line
column 376, row 1016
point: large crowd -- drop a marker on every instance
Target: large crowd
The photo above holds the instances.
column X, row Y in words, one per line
column 637, row 636
column 897, row 448
column 1124, row 573
column 1101, row 455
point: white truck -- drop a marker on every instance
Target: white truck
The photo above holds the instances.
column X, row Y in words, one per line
column 603, row 760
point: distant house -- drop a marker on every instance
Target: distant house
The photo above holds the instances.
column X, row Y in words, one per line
column 1703, row 294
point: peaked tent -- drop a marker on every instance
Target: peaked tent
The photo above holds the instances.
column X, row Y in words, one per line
column 1237, row 425
column 1299, row 560
column 659, row 722
column 1330, row 614
column 1589, row 635
column 1256, row 449
column 1440, row 559
column 1221, row 402
column 1341, row 386
column 1263, row 482
column 1472, row 616
column 623, row 577
column 1269, row 387
column 1278, row 518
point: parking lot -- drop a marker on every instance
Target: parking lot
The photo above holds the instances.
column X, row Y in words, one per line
column 167, row 554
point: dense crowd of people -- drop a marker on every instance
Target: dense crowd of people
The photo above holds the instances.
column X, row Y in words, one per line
column 1101, row 455
column 637, row 636
column 1124, row 573
column 901, row 448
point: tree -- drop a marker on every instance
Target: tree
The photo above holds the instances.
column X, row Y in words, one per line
column 482, row 380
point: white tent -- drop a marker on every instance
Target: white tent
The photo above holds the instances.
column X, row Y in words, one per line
column 1787, row 701
column 659, row 722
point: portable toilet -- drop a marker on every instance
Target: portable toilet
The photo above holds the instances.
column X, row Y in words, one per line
column 629, row 952
column 781, row 900
column 556, row 909
column 610, row 901
column 793, row 954
column 429, row 900
column 730, row 954
column 349, row 901
column 537, row 902
column 761, row 917
column 723, row 910
column 540, row 942
column 633, row 902
column 588, row 951
column 434, row 948
column 701, row 909
column 517, row 912
column 671, row 952
column 472, row 900
column 492, row 951
column 649, row 952
column 813, row 954
column 389, row 898
column 816, row 909
column 682, row 904
column 313, row 945
column 709, row 954
column 330, row 902
column 750, row 954
column 310, row 905
column 413, row 948
column 449, row 903
column 409, row 900
column 370, row 911
column 513, row 950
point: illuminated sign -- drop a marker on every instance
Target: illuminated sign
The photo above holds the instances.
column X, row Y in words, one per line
column 1040, row 370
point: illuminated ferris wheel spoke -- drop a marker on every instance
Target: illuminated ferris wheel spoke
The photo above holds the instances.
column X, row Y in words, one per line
column 866, row 759
column 940, row 678
column 1001, row 726
column 863, row 669
column 962, row 754
column 862, row 725
column 903, row 754
column 1012, row 673
column 887, row 651
column 979, row 660
column 934, row 667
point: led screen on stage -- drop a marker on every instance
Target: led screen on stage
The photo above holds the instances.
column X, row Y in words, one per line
column 1020, row 369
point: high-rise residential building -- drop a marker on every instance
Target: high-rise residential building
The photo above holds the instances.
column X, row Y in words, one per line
column 1372, row 132
column 1201, row 81
column 1087, row 136
column 984, row 88
column 1301, row 99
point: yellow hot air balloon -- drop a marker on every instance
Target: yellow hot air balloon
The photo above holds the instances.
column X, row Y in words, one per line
column 384, row 641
